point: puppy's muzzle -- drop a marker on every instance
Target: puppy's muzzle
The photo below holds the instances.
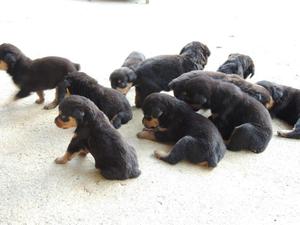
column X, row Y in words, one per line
column 124, row 90
column 151, row 123
column 65, row 125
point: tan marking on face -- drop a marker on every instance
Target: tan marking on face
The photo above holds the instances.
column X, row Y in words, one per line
column 3, row 65
column 153, row 123
column 65, row 125
column 149, row 135
column 125, row 90
column 160, row 154
column 65, row 158
column 270, row 104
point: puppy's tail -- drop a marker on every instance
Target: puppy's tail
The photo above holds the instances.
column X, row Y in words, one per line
column 77, row 66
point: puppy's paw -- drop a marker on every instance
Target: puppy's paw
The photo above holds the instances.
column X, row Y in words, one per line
column 149, row 135
column 39, row 101
column 52, row 105
column 204, row 164
column 283, row 133
column 160, row 154
column 83, row 153
column 61, row 160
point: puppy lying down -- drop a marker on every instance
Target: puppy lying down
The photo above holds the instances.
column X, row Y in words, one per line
column 154, row 74
column 239, row 64
column 167, row 119
column 35, row 75
column 256, row 91
column 286, row 107
column 241, row 120
column 114, row 105
column 94, row 134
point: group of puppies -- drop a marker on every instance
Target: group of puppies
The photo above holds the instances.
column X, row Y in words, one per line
column 240, row 117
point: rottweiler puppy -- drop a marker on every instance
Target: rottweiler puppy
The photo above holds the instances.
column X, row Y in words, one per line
column 286, row 107
column 34, row 75
column 167, row 119
column 154, row 74
column 94, row 134
column 114, row 105
column 239, row 64
column 256, row 91
column 121, row 78
column 241, row 120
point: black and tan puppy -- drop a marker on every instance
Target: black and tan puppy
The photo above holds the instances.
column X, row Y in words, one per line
column 34, row 75
column 115, row 105
column 121, row 78
column 154, row 74
column 168, row 119
column 115, row 158
column 242, row 120
column 256, row 91
column 239, row 64
column 286, row 107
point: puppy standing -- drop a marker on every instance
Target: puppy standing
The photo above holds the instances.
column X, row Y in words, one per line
column 239, row 64
column 241, row 120
column 168, row 119
column 113, row 156
column 35, row 75
column 121, row 78
column 154, row 74
column 286, row 107
column 114, row 105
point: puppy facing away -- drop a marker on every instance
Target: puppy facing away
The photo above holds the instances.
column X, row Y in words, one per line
column 286, row 107
column 239, row 64
column 114, row 104
column 120, row 78
column 94, row 134
column 154, row 74
column 167, row 119
column 34, row 75
column 241, row 120
column 256, row 91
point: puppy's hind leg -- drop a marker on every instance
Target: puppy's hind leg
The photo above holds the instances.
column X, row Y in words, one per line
column 249, row 137
column 179, row 152
column 120, row 118
column 60, row 92
column 41, row 98
column 294, row 133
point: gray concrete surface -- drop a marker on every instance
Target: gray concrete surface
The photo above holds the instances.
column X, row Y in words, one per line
column 244, row 189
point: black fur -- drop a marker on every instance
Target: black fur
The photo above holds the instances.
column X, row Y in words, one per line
column 113, row 156
column 256, row 91
column 120, row 77
column 154, row 74
column 197, row 139
column 239, row 64
column 286, row 106
column 242, row 120
column 35, row 75
column 115, row 105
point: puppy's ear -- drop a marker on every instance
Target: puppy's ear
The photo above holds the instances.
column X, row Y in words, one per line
column 156, row 113
column 78, row 114
column 131, row 76
column 10, row 59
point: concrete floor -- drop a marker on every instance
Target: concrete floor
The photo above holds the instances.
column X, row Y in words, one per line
column 245, row 188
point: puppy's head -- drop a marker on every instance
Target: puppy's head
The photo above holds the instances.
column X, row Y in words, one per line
column 122, row 79
column 197, row 52
column 159, row 110
column 228, row 68
column 193, row 88
column 9, row 56
column 276, row 91
column 72, row 111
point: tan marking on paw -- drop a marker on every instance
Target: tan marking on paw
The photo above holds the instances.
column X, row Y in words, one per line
column 205, row 164
column 51, row 105
column 83, row 152
column 146, row 135
column 284, row 133
column 64, row 159
column 160, row 154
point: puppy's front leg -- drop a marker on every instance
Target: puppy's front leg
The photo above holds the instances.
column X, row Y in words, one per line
column 75, row 146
